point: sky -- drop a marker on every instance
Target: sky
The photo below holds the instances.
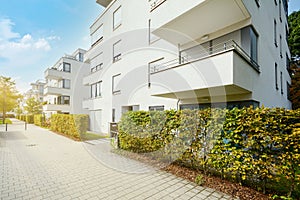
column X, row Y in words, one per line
column 35, row 34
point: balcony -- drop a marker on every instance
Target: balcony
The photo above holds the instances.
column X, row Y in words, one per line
column 194, row 19
column 56, row 107
column 93, row 103
column 55, row 74
column 56, row 91
column 93, row 77
column 223, row 69
column 104, row 3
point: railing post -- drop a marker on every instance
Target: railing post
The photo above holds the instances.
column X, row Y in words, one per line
column 6, row 127
column 225, row 46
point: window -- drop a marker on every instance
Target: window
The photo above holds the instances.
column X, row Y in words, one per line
column 117, row 18
column 257, row 3
column 65, row 83
column 281, row 83
column 275, row 33
column 115, row 84
column 279, row 7
column 63, row 100
column 96, row 89
column 66, row 67
column 253, row 52
column 276, row 77
column 117, row 51
column 280, row 45
column 288, row 87
column 97, row 63
column 286, row 33
column 275, row 1
column 156, row 108
column 79, row 57
column 97, row 35
column 287, row 61
column 113, row 115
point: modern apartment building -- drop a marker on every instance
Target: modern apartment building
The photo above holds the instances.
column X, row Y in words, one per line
column 36, row 91
column 64, row 92
column 162, row 54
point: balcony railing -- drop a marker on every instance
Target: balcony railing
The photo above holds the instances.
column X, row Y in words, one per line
column 204, row 53
column 155, row 3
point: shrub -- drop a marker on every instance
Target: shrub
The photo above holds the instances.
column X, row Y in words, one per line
column 66, row 125
column 39, row 120
column 252, row 146
column 29, row 119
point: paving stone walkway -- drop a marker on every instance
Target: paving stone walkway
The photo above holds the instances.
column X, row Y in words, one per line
column 39, row 164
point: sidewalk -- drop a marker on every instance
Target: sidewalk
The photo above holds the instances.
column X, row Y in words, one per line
column 39, row 164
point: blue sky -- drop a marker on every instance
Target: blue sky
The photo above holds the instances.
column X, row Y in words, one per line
column 34, row 34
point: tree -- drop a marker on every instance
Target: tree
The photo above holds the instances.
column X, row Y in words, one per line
column 294, row 33
column 8, row 95
column 33, row 106
column 295, row 85
column 294, row 44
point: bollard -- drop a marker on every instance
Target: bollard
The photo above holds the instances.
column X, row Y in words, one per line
column 6, row 127
column 25, row 126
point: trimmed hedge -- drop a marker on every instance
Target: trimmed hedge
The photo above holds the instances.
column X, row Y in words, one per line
column 39, row 120
column 69, row 125
column 29, row 119
column 252, row 146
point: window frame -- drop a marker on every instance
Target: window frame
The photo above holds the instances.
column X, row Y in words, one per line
column 119, row 23
column 64, row 67
column 281, row 82
column 275, row 33
column 118, row 56
column 99, row 37
column 276, row 76
column 117, row 91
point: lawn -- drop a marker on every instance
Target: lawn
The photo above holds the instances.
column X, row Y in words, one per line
column 7, row 121
column 91, row 136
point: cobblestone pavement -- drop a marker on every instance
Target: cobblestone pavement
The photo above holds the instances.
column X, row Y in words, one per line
column 39, row 164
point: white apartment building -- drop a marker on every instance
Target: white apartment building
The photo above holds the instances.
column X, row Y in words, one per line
column 64, row 92
column 36, row 91
column 163, row 54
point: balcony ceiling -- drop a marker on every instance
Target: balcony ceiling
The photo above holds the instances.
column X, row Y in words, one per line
column 206, row 92
column 205, row 18
column 104, row 3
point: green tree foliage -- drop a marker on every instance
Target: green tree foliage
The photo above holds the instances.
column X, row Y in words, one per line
column 8, row 95
column 295, row 85
column 33, row 106
column 294, row 33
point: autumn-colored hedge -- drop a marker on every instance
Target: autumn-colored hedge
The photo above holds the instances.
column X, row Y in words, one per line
column 69, row 125
column 39, row 120
column 251, row 146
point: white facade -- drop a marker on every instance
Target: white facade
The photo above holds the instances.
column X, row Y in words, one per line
column 162, row 54
column 64, row 92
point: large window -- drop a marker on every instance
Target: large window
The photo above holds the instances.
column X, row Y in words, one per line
column 279, row 7
column 253, row 52
column 117, row 18
column 66, row 67
column 63, row 100
column 65, row 83
column 96, row 89
column 97, row 35
column 117, row 51
column 115, row 84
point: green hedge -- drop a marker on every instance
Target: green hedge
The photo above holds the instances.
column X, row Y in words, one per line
column 252, row 146
column 69, row 125
column 40, row 120
column 29, row 119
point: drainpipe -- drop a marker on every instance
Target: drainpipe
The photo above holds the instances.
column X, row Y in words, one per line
column 178, row 101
